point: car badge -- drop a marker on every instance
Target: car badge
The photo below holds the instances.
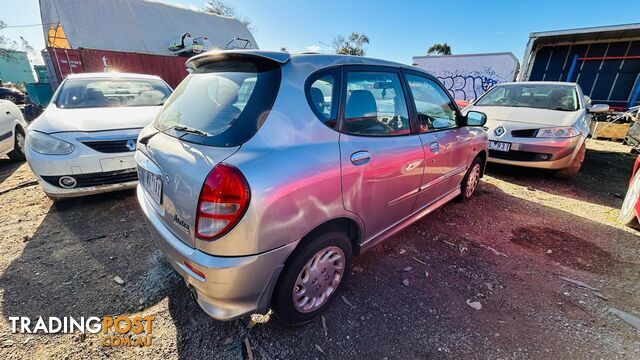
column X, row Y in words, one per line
column 131, row 144
column 499, row 131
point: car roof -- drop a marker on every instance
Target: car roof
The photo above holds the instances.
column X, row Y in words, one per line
column 112, row 75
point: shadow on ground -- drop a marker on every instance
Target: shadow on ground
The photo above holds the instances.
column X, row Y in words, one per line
column 7, row 168
column 603, row 179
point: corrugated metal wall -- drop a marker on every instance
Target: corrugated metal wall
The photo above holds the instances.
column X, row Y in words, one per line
column 605, row 79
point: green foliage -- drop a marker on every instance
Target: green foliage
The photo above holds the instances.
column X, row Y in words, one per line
column 353, row 45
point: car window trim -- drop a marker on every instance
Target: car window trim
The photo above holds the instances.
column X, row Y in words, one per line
column 435, row 81
column 343, row 97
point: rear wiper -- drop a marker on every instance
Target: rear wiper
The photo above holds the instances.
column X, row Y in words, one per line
column 190, row 130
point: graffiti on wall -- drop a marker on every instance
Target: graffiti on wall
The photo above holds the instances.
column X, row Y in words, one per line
column 469, row 85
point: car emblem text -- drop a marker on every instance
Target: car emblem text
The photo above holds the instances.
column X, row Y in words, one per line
column 181, row 223
column 499, row 131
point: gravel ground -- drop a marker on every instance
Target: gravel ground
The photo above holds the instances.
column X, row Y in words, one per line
column 409, row 297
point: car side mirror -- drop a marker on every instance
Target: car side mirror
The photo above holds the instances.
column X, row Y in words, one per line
column 598, row 108
column 475, row 118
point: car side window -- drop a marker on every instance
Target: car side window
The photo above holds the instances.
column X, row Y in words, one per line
column 435, row 109
column 322, row 94
column 375, row 105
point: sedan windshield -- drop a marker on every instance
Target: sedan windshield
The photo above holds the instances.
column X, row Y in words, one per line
column 93, row 93
column 541, row 96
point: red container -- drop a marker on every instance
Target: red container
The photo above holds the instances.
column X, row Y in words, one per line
column 170, row 68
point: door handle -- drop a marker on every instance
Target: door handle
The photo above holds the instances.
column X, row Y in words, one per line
column 360, row 157
column 434, row 147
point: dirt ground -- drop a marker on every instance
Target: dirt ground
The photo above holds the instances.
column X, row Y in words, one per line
column 505, row 249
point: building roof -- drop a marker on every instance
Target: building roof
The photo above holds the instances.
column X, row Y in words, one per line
column 141, row 26
column 624, row 31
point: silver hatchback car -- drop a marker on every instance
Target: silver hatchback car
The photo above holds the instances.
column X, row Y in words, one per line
column 265, row 172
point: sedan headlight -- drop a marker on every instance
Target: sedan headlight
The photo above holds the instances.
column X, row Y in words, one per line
column 558, row 132
column 47, row 144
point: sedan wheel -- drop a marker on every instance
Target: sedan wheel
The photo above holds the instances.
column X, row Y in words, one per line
column 627, row 211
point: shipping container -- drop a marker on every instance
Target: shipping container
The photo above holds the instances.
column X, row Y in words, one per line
column 129, row 36
column 605, row 61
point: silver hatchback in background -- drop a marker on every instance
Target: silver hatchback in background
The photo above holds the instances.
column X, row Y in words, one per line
column 265, row 173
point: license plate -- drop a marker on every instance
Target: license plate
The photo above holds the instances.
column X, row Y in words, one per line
column 153, row 185
column 499, row 146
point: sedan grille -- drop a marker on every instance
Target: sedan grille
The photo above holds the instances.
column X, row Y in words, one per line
column 96, row 179
column 112, row 146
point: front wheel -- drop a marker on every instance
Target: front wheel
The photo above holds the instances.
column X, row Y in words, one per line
column 312, row 278
column 471, row 180
column 575, row 166
column 627, row 211
column 17, row 154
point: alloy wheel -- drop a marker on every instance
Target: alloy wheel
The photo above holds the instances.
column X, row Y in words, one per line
column 473, row 180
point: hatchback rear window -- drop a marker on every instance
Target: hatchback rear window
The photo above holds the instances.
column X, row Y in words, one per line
column 222, row 103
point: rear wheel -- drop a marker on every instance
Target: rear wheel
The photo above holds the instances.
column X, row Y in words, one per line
column 312, row 278
column 471, row 180
column 575, row 166
column 627, row 211
column 17, row 154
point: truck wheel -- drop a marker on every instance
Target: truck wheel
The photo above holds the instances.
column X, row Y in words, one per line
column 575, row 166
column 17, row 154
column 311, row 280
column 471, row 180
column 627, row 211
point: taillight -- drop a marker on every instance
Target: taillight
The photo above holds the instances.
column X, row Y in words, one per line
column 224, row 198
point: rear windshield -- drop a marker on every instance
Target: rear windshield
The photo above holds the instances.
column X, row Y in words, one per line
column 542, row 96
column 93, row 93
column 221, row 103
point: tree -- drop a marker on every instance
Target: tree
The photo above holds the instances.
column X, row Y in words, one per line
column 353, row 45
column 221, row 8
column 284, row 49
column 9, row 46
column 439, row 49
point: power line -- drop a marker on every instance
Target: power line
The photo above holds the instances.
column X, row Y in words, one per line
column 26, row 25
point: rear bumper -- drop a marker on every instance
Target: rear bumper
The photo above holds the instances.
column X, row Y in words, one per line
column 232, row 287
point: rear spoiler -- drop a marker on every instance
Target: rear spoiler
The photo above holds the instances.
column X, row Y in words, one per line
column 217, row 55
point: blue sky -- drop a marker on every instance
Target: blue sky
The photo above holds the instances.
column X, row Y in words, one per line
column 398, row 29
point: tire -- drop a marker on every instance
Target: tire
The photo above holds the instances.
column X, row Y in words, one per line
column 572, row 170
column 291, row 282
column 628, row 214
column 471, row 180
column 17, row 154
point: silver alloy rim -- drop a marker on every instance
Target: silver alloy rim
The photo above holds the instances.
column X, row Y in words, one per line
column 473, row 180
column 318, row 279
column 631, row 197
column 20, row 141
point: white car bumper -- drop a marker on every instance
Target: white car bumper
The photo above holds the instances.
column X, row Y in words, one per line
column 100, row 162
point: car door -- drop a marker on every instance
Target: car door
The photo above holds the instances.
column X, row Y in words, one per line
column 7, row 115
column 445, row 142
column 381, row 157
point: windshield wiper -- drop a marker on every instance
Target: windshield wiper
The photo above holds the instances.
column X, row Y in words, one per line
column 189, row 130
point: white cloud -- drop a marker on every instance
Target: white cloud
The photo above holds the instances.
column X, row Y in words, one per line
column 314, row 48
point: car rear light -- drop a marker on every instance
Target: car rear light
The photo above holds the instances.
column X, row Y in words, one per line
column 224, row 198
